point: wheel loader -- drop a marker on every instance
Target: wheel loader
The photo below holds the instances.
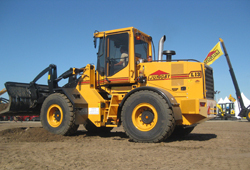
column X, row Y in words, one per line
column 151, row 97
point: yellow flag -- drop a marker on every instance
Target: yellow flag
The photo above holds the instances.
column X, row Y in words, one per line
column 214, row 54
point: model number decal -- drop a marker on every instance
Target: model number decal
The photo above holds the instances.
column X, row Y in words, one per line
column 195, row 74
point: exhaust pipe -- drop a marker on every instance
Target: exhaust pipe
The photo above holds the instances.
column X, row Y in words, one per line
column 161, row 44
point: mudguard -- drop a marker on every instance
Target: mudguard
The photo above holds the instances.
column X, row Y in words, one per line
column 165, row 94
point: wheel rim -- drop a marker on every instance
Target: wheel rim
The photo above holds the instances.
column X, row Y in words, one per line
column 54, row 115
column 144, row 117
column 248, row 116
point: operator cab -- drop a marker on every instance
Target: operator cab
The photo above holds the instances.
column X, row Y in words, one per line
column 118, row 52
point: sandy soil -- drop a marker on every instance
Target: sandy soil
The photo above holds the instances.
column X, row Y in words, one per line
column 211, row 145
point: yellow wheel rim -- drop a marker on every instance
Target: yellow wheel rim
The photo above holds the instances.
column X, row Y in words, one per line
column 55, row 115
column 144, row 117
column 248, row 114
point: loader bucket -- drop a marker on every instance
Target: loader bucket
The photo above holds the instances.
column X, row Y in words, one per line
column 24, row 99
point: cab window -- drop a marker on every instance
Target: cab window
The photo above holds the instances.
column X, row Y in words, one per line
column 117, row 54
column 101, row 58
column 141, row 49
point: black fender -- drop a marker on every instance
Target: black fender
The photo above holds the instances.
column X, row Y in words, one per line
column 79, row 103
column 165, row 94
column 75, row 97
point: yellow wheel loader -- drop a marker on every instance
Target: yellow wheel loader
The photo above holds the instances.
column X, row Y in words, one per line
column 226, row 110
column 151, row 97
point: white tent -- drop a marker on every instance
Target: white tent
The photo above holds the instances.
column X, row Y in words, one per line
column 246, row 102
column 226, row 100
column 221, row 101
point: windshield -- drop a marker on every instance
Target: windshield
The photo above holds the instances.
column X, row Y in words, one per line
column 141, row 49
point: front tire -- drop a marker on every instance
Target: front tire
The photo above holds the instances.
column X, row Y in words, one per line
column 57, row 115
column 146, row 117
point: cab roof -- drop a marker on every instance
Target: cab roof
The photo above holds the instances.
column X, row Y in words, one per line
column 120, row 30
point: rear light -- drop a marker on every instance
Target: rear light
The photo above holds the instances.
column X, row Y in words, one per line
column 202, row 104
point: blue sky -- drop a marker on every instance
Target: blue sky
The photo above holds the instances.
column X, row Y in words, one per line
column 36, row 33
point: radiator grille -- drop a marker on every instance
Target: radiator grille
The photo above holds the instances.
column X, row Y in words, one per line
column 209, row 82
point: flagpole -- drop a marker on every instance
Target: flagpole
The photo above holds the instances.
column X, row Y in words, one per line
column 236, row 86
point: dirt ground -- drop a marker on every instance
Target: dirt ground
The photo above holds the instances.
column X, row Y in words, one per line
column 211, row 145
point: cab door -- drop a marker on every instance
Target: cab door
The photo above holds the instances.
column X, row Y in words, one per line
column 115, row 59
column 118, row 52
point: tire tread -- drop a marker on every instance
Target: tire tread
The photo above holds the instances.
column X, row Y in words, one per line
column 167, row 132
column 70, row 126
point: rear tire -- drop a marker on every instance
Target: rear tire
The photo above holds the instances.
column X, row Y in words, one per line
column 57, row 115
column 146, row 117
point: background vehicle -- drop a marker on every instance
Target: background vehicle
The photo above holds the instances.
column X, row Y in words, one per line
column 226, row 108
column 151, row 98
column 29, row 118
column 244, row 111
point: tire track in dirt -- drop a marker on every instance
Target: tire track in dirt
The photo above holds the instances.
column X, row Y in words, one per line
column 218, row 145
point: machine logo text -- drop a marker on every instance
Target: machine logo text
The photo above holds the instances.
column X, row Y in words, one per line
column 159, row 75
